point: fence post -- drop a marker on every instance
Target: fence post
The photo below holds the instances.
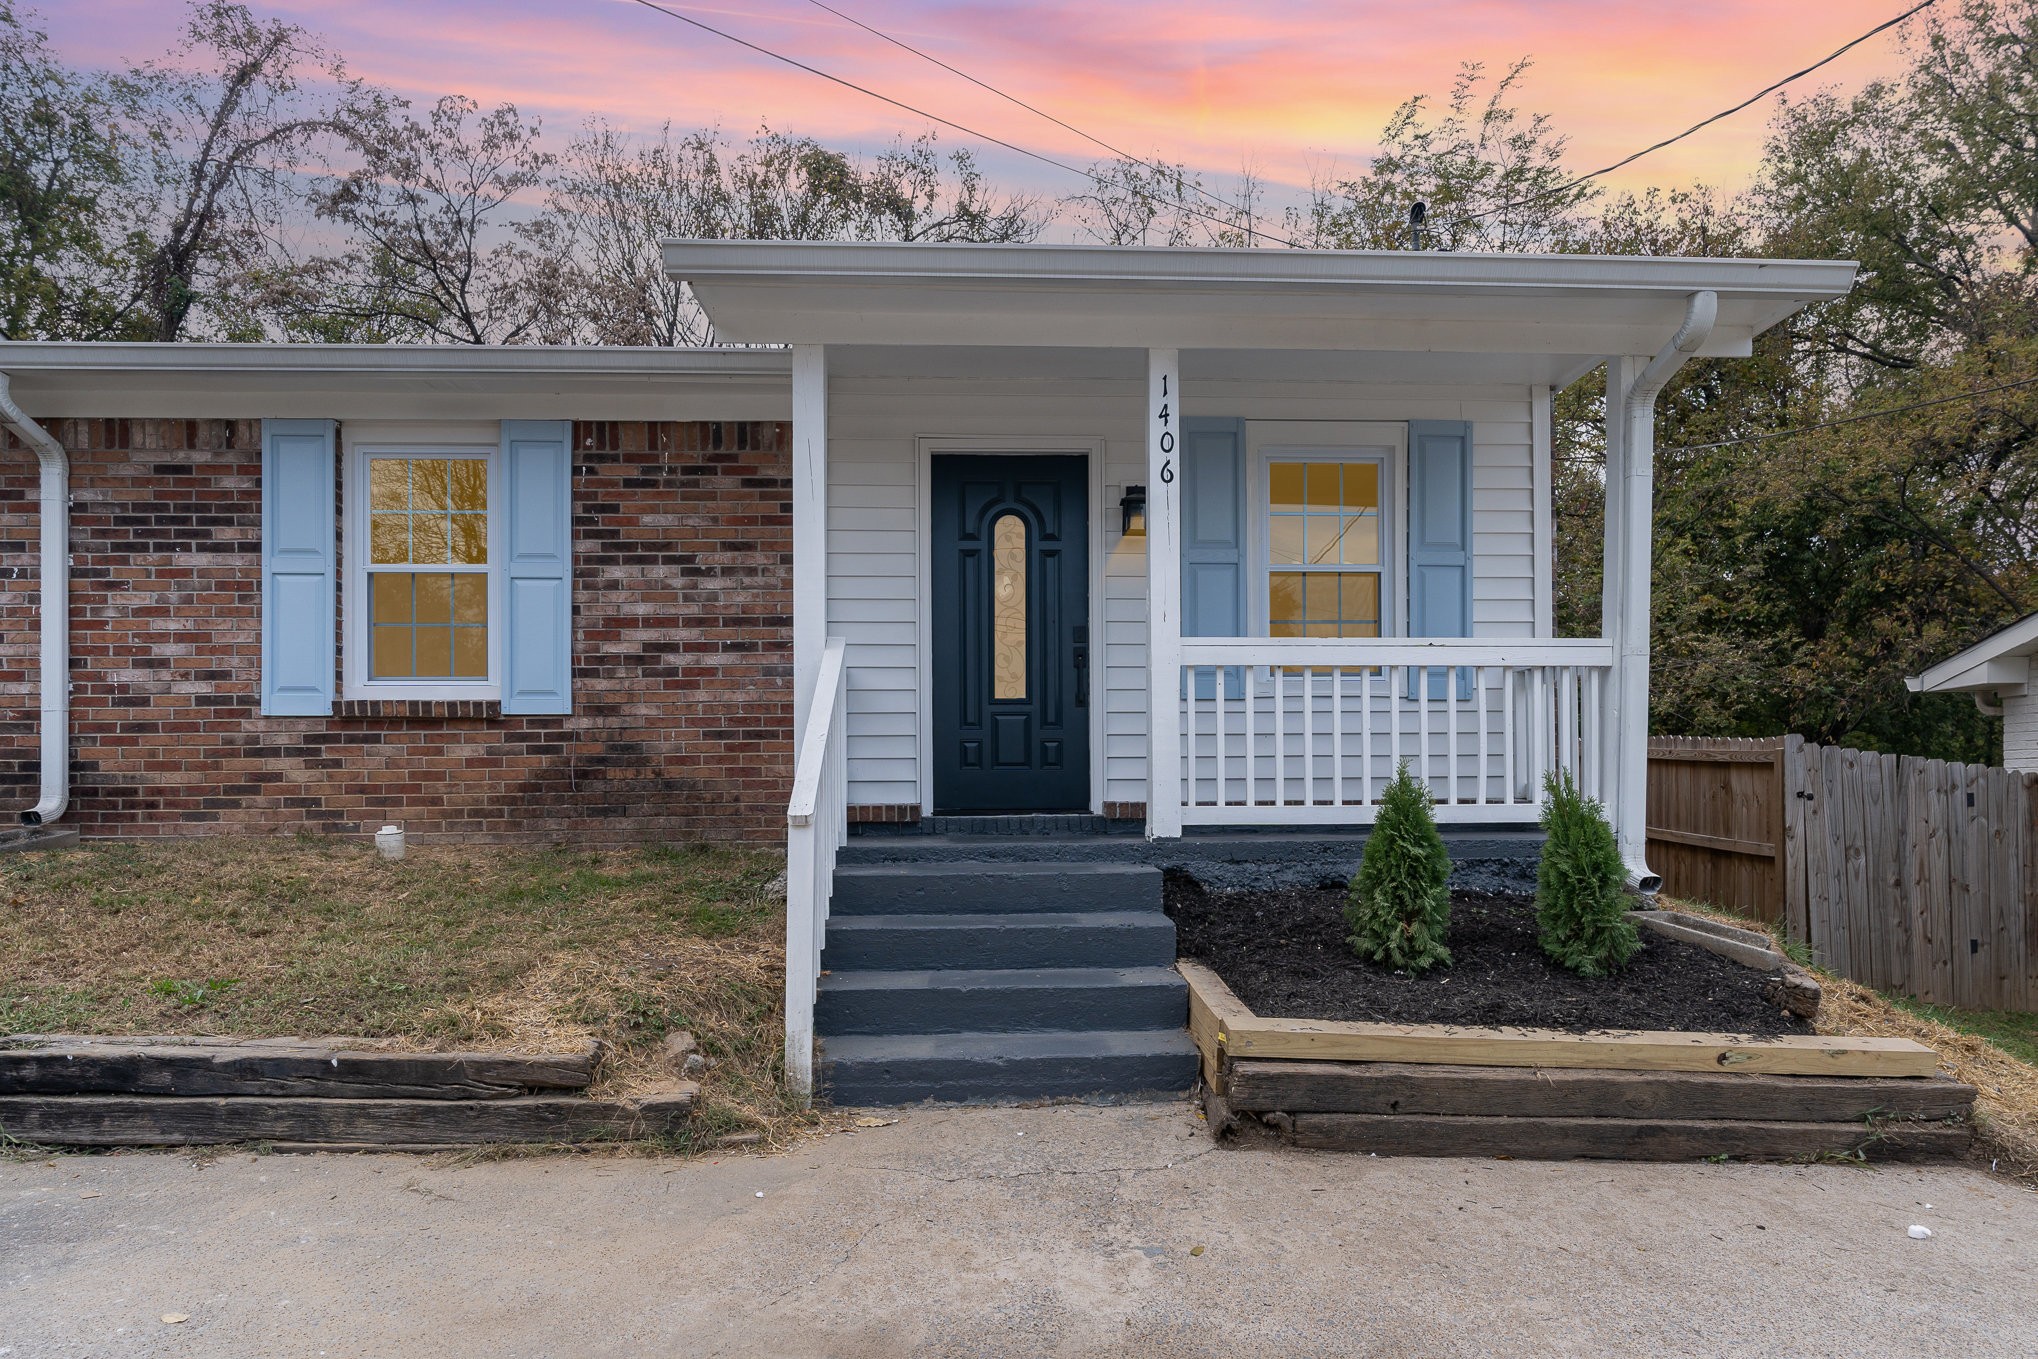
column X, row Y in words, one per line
column 1789, row 825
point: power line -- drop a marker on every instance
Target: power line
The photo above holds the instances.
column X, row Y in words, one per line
column 966, row 131
column 1757, row 97
column 1008, row 98
column 1856, row 419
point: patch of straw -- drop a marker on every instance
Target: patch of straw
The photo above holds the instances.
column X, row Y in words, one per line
column 2006, row 1088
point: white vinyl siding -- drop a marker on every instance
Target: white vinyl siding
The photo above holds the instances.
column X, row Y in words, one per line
column 874, row 525
column 2020, row 731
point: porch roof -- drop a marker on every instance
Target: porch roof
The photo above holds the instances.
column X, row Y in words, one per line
column 2005, row 660
column 62, row 379
column 1581, row 306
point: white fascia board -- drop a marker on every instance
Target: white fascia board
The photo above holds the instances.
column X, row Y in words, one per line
column 39, row 356
column 1207, row 266
column 2015, row 644
column 2003, row 674
column 2018, row 638
column 241, row 381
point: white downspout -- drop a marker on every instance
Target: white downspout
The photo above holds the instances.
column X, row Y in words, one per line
column 1638, row 493
column 55, row 513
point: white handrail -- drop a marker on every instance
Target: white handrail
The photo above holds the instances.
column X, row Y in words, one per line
column 1307, row 731
column 1521, row 653
column 817, row 825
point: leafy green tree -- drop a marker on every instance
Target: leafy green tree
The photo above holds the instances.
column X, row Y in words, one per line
column 61, row 166
column 1491, row 176
column 1581, row 898
column 1400, row 904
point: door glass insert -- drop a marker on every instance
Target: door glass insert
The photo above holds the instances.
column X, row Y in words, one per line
column 1008, row 607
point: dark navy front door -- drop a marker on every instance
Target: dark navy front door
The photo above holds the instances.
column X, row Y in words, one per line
column 1011, row 634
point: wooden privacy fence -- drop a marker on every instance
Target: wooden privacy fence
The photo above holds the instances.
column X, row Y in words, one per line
column 1908, row 875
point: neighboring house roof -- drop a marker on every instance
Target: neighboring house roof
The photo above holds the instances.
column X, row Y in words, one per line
column 2001, row 661
column 1570, row 310
column 55, row 380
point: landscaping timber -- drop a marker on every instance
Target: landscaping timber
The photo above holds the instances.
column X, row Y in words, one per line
column 1405, row 1089
column 175, row 1120
column 1244, row 1034
column 1623, row 1139
column 63, row 1064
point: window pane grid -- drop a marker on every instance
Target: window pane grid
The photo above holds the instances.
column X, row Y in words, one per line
column 1324, row 520
column 429, row 512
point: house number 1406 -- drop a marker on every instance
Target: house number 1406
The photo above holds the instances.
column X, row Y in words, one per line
column 1167, row 436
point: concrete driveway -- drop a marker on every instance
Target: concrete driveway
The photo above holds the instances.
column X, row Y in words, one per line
column 1051, row 1231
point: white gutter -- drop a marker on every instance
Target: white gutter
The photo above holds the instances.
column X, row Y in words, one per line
column 55, row 513
column 1638, row 493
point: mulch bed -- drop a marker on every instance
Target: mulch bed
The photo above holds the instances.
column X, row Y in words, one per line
column 1284, row 953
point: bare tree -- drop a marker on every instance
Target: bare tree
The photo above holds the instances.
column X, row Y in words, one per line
column 1136, row 202
column 227, row 126
column 619, row 199
column 908, row 195
column 615, row 199
column 446, row 243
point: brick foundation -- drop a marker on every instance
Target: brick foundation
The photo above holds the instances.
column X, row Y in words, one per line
column 682, row 635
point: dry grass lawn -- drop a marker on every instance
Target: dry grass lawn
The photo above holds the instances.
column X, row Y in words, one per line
column 500, row 947
column 2006, row 1105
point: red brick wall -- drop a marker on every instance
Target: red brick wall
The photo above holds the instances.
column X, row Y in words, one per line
column 682, row 634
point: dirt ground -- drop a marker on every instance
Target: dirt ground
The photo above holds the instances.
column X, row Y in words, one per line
column 1070, row 1231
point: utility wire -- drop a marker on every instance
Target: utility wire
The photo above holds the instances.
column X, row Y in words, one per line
column 1010, row 98
column 1757, row 97
column 966, row 131
column 1856, row 419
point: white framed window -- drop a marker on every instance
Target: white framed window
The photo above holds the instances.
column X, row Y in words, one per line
column 423, row 546
column 1324, row 540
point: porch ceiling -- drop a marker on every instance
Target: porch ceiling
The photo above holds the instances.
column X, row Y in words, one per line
column 1138, row 297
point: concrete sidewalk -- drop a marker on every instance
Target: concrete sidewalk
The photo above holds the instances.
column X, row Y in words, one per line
column 1065, row 1231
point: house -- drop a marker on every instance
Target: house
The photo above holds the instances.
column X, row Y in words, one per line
column 1176, row 539
column 2001, row 673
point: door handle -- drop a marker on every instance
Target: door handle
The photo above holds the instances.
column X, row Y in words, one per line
column 1082, row 659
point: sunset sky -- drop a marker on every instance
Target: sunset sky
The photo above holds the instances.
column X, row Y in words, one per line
column 1282, row 86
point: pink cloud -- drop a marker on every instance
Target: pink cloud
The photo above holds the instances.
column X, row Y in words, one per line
column 1210, row 84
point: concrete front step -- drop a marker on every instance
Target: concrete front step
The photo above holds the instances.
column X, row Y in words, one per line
column 976, row 888
column 906, row 1068
column 1000, row 939
column 1000, row 1000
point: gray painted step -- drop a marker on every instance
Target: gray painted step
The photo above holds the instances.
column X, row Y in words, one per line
column 921, row 888
column 1220, row 859
column 1000, row 939
column 902, row 1069
column 1000, row 1000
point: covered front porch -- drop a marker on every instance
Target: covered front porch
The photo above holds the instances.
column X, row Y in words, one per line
column 1303, row 535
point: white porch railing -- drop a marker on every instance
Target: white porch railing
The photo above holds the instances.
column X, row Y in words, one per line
column 1308, row 732
column 817, row 825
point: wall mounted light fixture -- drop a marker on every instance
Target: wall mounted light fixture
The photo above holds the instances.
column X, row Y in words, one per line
column 1132, row 509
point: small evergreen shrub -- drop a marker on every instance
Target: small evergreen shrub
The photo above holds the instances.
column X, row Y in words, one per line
column 1581, row 896
column 1400, row 903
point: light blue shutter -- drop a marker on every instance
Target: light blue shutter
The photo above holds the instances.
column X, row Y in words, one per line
column 537, row 625
column 1440, row 537
column 299, row 613
column 1213, row 537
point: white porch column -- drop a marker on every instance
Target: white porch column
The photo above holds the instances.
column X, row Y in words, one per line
column 810, row 526
column 1163, row 594
column 1624, row 612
